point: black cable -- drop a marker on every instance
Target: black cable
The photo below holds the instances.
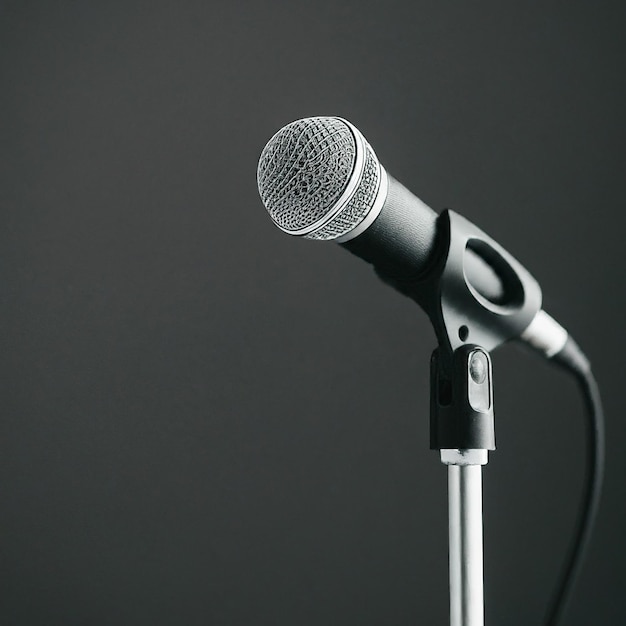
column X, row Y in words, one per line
column 573, row 359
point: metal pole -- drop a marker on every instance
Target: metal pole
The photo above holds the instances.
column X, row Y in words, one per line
column 466, row 535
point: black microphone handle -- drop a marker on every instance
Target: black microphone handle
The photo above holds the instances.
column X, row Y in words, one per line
column 401, row 243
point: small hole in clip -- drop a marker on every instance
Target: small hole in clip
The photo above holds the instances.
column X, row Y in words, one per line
column 463, row 333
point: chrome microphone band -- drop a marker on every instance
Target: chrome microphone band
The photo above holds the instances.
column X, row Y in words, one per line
column 381, row 196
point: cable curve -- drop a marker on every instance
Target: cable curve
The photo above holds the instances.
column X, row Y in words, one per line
column 573, row 360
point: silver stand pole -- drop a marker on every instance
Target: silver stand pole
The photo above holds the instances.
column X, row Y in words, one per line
column 466, row 535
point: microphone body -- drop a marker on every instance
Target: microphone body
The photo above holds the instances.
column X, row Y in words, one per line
column 320, row 179
column 402, row 244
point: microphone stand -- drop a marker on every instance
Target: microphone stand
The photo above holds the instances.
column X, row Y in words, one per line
column 468, row 325
column 462, row 410
column 465, row 535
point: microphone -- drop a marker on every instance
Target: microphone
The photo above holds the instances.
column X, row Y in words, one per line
column 319, row 178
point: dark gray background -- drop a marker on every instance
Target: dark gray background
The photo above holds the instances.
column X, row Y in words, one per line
column 205, row 421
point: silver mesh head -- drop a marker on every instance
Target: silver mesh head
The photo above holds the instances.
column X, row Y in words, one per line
column 319, row 178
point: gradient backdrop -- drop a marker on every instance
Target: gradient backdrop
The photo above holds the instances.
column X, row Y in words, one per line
column 205, row 421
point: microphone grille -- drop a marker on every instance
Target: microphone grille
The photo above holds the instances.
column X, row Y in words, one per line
column 318, row 177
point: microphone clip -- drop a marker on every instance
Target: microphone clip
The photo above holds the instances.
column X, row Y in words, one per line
column 468, row 326
column 460, row 314
column 461, row 404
